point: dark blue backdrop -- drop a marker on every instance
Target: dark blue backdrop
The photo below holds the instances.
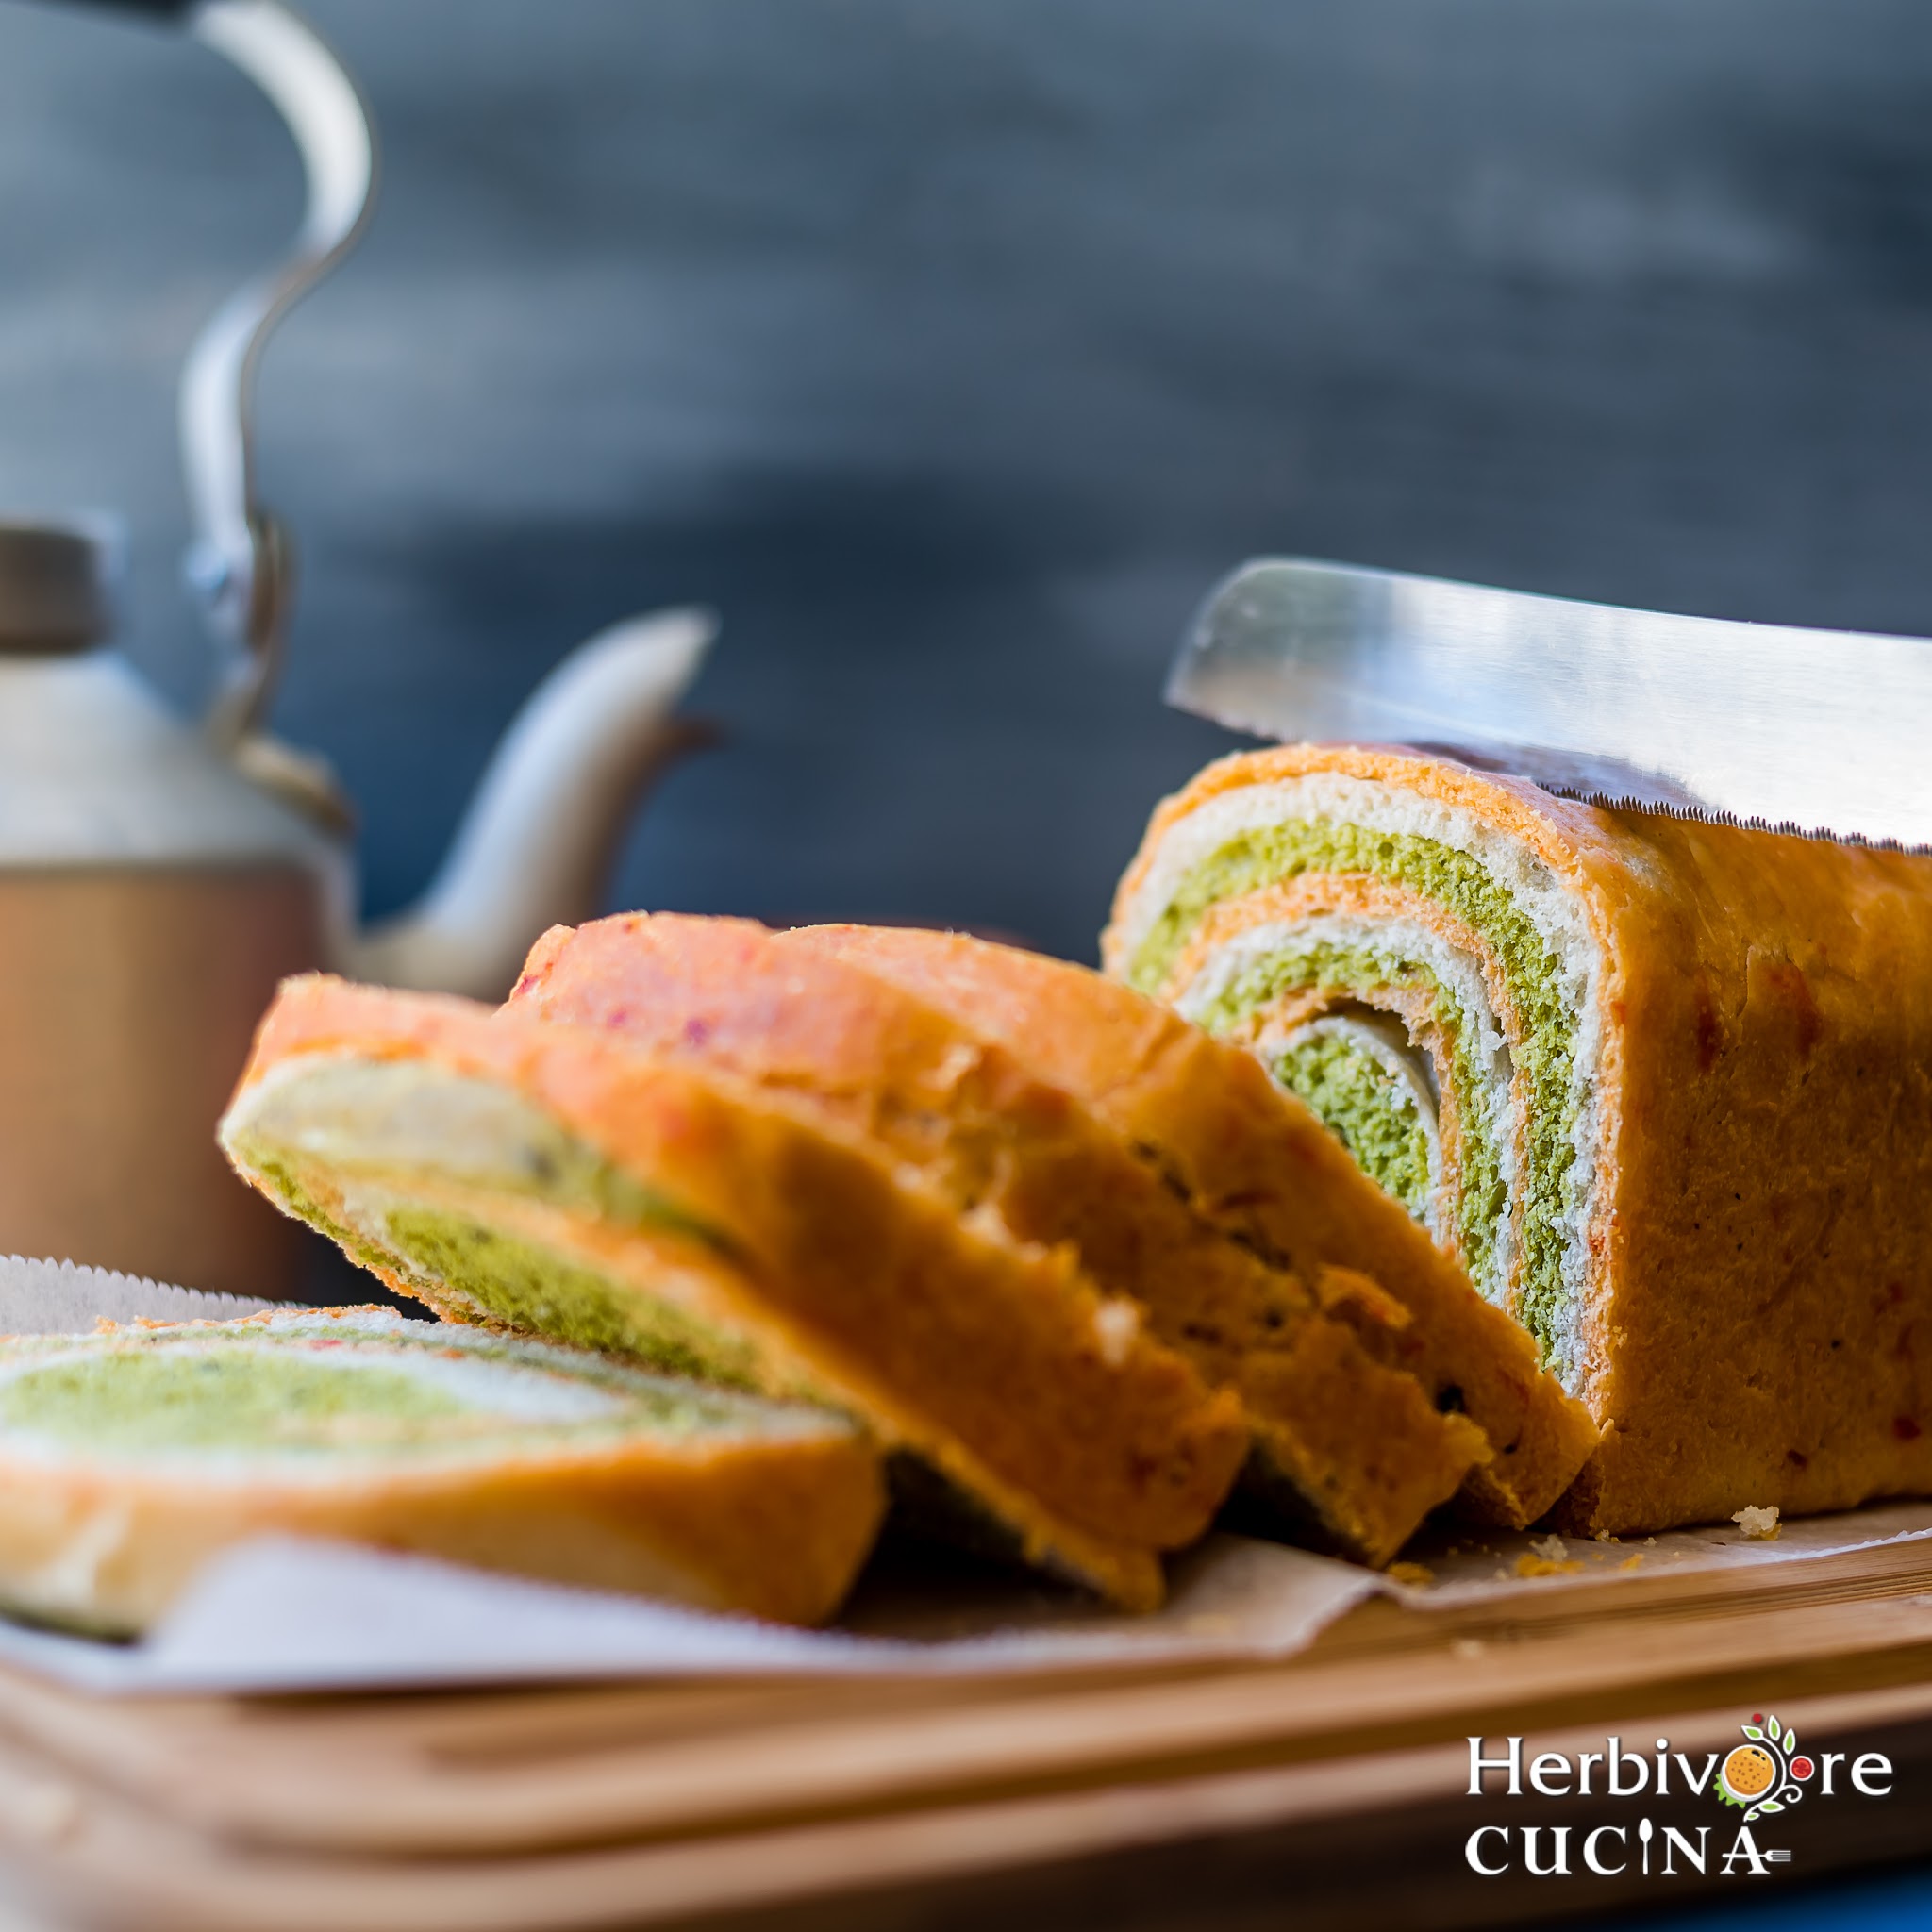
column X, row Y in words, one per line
column 951, row 347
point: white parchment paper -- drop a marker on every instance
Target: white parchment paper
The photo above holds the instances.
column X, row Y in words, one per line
column 281, row 1615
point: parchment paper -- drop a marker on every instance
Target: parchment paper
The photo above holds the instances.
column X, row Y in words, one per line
column 282, row 1615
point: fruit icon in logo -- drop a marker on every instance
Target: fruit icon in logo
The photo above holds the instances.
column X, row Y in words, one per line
column 1749, row 1771
column 1764, row 1774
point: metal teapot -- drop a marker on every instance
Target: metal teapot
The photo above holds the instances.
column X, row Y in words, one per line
column 157, row 879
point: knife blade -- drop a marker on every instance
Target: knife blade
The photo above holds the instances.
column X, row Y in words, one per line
column 1824, row 734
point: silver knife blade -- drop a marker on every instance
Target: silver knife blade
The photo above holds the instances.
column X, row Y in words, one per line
column 1827, row 734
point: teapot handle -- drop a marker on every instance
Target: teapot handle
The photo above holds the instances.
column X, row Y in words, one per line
column 240, row 564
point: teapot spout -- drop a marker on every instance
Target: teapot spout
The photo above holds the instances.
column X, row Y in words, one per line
column 536, row 847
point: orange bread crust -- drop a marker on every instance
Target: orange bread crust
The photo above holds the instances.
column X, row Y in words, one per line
column 1256, row 1163
column 1363, row 1449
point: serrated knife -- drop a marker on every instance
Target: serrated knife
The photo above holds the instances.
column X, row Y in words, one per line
column 1827, row 734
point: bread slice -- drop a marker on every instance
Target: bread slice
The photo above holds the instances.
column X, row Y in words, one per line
column 1348, row 1450
column 1257, row 1163
column 131, row 1456
column 509, row 1168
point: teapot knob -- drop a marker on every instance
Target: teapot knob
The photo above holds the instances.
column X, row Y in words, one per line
column 57, row 586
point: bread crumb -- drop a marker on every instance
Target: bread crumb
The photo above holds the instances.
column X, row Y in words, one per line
column 1548, row 1555
column 1650, row 1542
column 1417, row 1575
column 1631, row 1562
column 1758, row 1524
column 1543, row 1566
column 1116, row 1323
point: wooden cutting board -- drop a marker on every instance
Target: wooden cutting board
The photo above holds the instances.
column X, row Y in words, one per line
column 1332, row 1787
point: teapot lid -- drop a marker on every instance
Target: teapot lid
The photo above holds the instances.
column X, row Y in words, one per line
column 94, row 769
column 57, row 585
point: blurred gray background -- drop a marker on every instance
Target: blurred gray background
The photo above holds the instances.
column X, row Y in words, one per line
column 952, row 348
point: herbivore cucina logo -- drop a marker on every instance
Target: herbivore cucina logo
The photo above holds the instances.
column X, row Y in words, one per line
column 1763, row 1777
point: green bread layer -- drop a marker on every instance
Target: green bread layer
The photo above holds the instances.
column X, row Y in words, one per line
column 364, row 1131
column 1371, row 1112
column 297, row 1201
column 168, row 1399
column 1340, row 972
column 253, row 1392
column 1544, row 1056
column 534, row 1288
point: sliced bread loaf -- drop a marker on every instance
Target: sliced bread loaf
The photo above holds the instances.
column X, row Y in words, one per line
column 509, row 1168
